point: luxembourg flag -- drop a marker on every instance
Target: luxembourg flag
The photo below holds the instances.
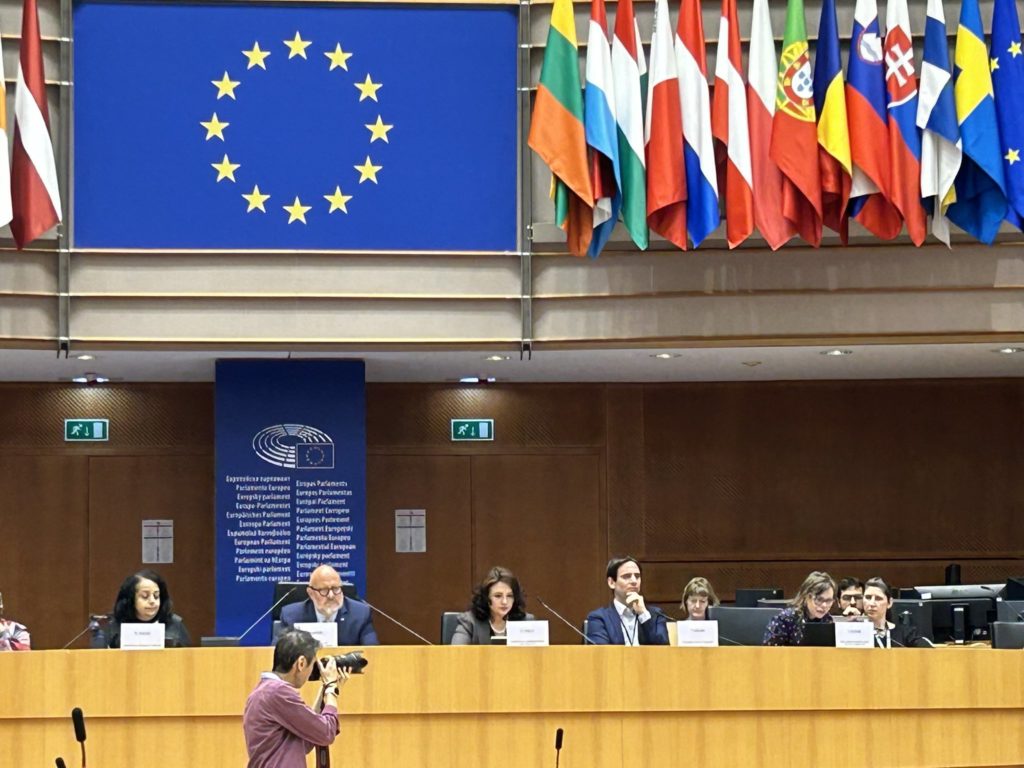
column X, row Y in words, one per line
column 869, row 133
column 762, row 77
column 629, row 119
column 666, row 178
column 730, row 128
column 598, row 101
column 904, row 141
column 941, row 152
column 702, row 215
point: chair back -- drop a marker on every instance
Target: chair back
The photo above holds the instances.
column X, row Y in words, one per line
column 449, row 621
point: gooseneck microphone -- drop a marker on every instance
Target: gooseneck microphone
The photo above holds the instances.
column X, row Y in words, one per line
column 564, row 620
column 270, row 610
column 78, row 719
column 95, row 619
column 558, row 745
column 393, row 620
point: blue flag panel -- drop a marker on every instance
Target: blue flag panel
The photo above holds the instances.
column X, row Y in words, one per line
column 295, row 127
column 291, row 481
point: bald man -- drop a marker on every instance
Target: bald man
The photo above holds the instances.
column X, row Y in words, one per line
column 326, row 602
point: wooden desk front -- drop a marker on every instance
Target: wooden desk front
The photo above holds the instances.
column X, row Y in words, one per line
column 469, row 706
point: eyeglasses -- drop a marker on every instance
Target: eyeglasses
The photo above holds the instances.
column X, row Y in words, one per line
column 822, row 601
column 327, row 591
column 855, row 598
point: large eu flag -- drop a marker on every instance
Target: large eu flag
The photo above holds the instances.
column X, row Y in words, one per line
column 295, row 127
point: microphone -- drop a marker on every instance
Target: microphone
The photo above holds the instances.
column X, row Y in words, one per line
column 78, row 720
column 393, row 620
column 95, row 619
column 564, row 620
column 270, row 610
column 60, row 763
column 558, row 745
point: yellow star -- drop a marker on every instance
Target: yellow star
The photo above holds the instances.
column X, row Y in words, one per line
column 214, row 127
column 368, row 89
column 226, row 86
column 226, row 169
column 257, row 58
column 1012, row 156
column 297, row 47
column 337, row 201
column 296, row 211
column 338, row 58
column 993, row 64
column 1014, row 49
column 368, row 171
column 379, row 130
column 256, row 199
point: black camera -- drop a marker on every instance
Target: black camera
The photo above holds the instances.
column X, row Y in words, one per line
column 353, row 660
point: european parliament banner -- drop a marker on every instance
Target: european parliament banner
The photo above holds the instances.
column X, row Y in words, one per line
column 291, row 480
column 259, row 126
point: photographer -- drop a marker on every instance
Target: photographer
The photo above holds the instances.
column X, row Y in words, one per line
column 279, row 727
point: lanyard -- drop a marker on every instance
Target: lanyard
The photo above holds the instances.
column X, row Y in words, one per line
column 630, row 637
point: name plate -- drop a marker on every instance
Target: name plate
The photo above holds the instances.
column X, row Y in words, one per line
column 326, row 632
column 142, row 637
column 697, row 634
column 527, row 633
column 855, row 634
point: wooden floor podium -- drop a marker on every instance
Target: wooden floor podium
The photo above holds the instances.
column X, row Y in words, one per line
column 455, row 707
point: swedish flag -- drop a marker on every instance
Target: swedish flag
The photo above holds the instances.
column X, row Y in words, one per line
column 1007, row 65
column 980, row 188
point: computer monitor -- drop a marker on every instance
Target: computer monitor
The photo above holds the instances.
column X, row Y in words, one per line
column 773, row 602
column 917, row 613
column 298, row 594
column 954, row 591
column 741, row 626
column 818, row 633
column 1015, row 588
column 749, row 598
column 961, row 620
column 1010, row 610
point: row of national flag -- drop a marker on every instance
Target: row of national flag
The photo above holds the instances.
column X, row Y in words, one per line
column 794, row 146
column 29, row 195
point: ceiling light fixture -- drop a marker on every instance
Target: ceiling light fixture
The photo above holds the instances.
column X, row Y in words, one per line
column 666, row 355
column 90, row 379
column 1008, row 350
column 85, row 357
column 477, row 380
column 496, row 358
column 837, row 352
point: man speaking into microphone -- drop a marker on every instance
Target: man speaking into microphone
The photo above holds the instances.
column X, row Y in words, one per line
column 627, row 621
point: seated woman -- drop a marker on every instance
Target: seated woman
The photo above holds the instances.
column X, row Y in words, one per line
column 698, row 596
column 143, row 599
column 13, row 636
column 811, row 604
column 877, row 602
column 497, row 601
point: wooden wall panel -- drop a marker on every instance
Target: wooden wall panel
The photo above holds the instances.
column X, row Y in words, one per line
column 542, row 517
column 43, row 545
column 124, row 491
column 416, row 587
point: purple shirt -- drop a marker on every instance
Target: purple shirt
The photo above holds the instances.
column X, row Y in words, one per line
column 280, row 728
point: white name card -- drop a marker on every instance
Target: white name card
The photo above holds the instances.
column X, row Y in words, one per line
column 326, row 632
column 142, row 637
column 527, row 633
column 855, row 634
column 697, row 634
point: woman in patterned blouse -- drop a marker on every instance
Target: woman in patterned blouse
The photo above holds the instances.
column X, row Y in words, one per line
column 812, row 603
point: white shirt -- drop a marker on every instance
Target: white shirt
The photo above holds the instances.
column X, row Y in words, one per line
column 628, row 619
column 325, row 617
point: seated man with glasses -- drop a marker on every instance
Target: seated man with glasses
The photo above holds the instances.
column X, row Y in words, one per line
column 326, row 602
column 851, row 597
column 811, row 604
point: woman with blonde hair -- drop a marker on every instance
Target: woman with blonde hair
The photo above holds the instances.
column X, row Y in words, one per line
column 812, row 603
column 698, row 596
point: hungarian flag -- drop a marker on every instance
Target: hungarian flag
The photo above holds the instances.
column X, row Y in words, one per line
column 731, row 130
column 34, row 192
column 762, row 74
column 666, row 177
column 702, row 216
column 904, row 140
column 833, row 128
column 556, row 130
column 629, row 117
column 794, row 131
column 603, row 143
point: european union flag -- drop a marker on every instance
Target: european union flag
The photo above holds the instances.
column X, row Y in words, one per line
column 314, row 456
column 295, row 127
column 1007, row 65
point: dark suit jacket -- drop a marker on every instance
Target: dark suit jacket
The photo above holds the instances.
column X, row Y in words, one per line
column 175, row 634
column 605, row 628
column 355, row 626
column 474, row 631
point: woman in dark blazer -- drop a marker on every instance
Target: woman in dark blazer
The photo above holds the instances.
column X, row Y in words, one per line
column 496, row 601
column 143, row 598
column 877, row 603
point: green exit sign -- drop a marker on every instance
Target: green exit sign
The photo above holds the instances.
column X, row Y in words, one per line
column 86, row 430
column 472, row 429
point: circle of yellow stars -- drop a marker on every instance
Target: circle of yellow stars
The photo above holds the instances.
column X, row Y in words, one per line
column 256, row 57
column 1012, row 153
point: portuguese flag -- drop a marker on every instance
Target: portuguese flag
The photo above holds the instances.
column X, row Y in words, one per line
column 556, row 130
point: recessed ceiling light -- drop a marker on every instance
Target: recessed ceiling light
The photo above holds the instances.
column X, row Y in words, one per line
column 85, row 357
column 496, row 358
column 80, row 380
column 665, row 355
column 837, row 352
column 477, row 380
column 1008, row 350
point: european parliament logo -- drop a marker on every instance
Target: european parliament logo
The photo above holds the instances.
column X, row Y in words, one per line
column 319, row 127
column 294, row 446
